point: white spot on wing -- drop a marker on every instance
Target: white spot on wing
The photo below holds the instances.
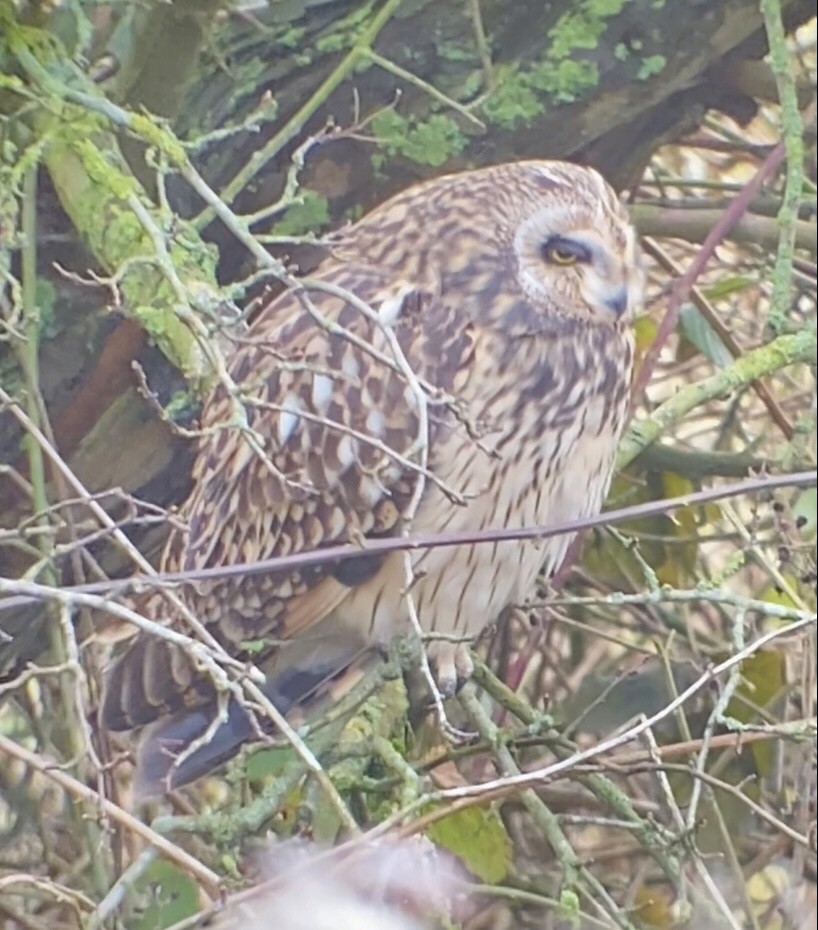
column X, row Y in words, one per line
column 371, row 492
column 288, row 419
column 375, row 423
column 321, row 392
column 350, row 366
column 347, row 451
column 390, row 309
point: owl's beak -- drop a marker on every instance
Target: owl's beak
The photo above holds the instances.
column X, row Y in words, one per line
column 618, row 301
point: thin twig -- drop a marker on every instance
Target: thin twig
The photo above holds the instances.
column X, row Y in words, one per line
column 708, row 312
column 77, row 789
column 803, row 479
column 728, row 219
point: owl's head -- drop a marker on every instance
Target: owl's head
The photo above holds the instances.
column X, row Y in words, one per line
column 521, row 244
column 572, row 243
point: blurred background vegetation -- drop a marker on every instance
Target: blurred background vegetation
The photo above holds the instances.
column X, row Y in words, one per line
column 160, row 164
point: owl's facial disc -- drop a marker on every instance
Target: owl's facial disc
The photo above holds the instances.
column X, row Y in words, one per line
column 599, row 277
column 583, row 262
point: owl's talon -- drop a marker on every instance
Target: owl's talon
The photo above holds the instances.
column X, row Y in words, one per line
column 445, row 674
column 453, row 668
column 463, row 664
column 455, row 736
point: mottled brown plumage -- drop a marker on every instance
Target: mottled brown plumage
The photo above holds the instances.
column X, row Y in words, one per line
column 510, row 291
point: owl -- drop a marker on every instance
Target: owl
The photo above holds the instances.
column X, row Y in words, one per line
column 460, row 361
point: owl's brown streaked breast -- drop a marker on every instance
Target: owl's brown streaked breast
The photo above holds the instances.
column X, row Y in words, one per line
column 545, row 457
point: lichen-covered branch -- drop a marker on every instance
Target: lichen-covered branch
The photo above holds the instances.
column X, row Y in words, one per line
column 96, row 187
column 765, row 360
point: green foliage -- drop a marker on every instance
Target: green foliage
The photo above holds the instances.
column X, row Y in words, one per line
column 763, row 678
column 309, row 214
column 727, row 286
column 346, row 31
column 478, row 838
column 560, row 76
column 582, row 26
column 172, row 895
column 291, row 36
column 564, row 81
column 514, row 101
column 429, row 142
column 457, row 51
column 651, row 65
column 569, row 906
column 264, row 763
column 663, row 544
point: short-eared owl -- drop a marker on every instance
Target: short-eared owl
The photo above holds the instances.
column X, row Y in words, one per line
column 509, row 291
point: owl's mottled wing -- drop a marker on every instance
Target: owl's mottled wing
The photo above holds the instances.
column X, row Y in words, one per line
column 322, row 461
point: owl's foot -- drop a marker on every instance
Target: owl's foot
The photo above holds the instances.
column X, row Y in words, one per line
column 453, row 668
column 456, row 736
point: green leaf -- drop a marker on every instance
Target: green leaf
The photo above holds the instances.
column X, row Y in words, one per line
column 429, row 142
column 763, row 678
column 170, row 893
column 306, row 216
column 478, row 838
column 698, row 331
column 727, row 286
column 265, row 762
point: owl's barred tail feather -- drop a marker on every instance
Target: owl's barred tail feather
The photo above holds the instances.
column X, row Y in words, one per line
column 157, row 769
column 164, row 762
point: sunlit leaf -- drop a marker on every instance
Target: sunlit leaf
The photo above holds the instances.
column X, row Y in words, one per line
column 644, row 329
column 680, row 559
column 762, row 678
column 727, row 286
column 607, row 559
column 773, row 594
column 764, row 889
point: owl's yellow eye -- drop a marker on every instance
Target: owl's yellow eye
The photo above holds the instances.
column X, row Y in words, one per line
column 560, row 251
column 562, row 257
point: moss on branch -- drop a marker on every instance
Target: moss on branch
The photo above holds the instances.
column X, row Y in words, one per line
column 765, row 360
